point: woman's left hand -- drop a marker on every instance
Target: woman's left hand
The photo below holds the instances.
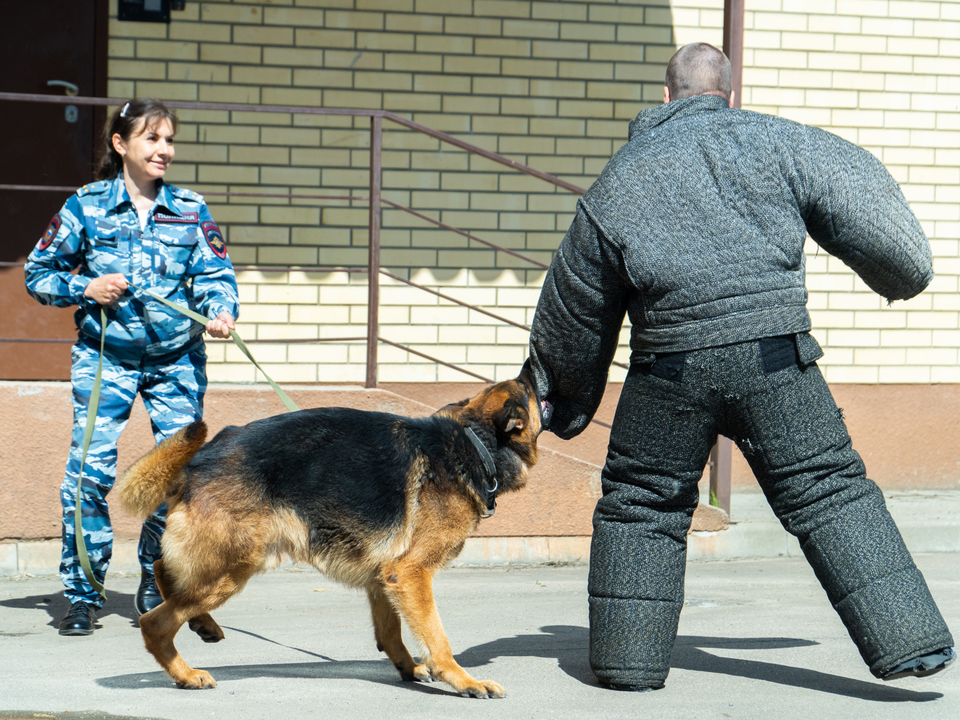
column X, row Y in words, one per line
column 221, row 325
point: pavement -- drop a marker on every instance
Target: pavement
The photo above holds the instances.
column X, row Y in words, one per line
column 757, row 639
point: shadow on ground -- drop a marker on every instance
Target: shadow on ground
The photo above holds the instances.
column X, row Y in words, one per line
column 56, row 606
column 569, row 646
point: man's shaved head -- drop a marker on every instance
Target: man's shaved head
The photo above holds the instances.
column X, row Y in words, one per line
column 699, row 69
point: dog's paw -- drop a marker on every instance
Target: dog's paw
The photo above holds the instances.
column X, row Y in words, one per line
column 199, row 680
column 419, row 673
column 483, row 689
column 207, row 634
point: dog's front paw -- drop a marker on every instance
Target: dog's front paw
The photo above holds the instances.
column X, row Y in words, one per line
column 198, row 680
column 483, row 689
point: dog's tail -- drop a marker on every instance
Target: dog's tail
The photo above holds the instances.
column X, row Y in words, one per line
column 153, row 479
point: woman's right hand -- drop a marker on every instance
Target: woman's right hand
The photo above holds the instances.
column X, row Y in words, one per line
column 106, row 289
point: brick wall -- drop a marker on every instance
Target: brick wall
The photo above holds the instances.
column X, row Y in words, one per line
column 551, row 85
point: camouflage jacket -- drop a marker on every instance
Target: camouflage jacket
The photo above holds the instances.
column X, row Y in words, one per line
column 696, row 230
column 180, row 255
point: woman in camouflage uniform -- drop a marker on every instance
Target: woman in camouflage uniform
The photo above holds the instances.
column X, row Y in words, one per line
column 130, row 228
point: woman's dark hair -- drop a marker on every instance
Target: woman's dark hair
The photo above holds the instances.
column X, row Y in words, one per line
column 122, row 123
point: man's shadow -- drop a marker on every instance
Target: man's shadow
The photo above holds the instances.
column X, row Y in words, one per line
column 569, row 645
column 56, row 606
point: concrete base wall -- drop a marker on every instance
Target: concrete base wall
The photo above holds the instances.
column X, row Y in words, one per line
column 35, row 427
column 909, row 436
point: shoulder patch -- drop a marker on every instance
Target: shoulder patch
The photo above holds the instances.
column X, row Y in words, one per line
column 214, row 239
column 181, row 219
column 51, row 232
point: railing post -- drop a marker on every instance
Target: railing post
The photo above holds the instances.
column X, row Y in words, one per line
column 733, row 44
column 721, row 460
column 373, row 265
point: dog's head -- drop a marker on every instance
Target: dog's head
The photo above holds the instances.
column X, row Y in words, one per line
column 506, row 416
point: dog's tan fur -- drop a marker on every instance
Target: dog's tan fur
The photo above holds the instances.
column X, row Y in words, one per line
column 224, row 533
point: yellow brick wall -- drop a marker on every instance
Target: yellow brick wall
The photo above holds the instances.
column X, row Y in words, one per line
column 885, row 75
column 549, row 84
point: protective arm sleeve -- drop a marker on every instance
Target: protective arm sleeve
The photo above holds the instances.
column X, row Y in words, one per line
column 48, row 270
column 577, row 325
column 214, row 281
column 854, row 209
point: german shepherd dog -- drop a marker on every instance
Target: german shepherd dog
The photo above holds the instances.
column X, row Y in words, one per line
column 373, row 500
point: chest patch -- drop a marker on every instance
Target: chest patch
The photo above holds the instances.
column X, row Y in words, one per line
column 215, row 239
column 51, row 232
column 185, row 219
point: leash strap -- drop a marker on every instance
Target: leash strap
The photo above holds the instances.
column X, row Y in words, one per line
column 92, row 421
column 87, row 434
column 234, row 336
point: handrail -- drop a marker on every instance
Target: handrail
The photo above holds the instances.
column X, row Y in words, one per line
column 302, row 110
column 720, row 459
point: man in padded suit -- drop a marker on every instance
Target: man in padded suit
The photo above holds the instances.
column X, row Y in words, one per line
column 696, row 228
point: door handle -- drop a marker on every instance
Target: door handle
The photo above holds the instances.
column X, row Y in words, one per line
column 70, row 89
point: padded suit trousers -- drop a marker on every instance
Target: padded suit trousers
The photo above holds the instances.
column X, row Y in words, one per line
column 783, row 418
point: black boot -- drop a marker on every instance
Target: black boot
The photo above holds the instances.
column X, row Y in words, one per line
column 79, row 620
column 148, row 596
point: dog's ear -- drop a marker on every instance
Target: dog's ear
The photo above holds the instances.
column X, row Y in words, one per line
column 510, row 417
column 526, row 373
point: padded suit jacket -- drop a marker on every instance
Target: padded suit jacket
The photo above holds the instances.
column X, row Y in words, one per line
column 696, row 228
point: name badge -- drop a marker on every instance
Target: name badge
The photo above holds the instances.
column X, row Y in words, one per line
column 185, row 219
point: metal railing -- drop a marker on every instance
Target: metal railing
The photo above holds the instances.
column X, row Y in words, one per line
column 720, row 458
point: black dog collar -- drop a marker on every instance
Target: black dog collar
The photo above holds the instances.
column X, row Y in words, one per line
column 488, row 464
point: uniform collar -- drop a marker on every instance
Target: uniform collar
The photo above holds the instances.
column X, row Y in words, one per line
column 167, row 200
column 119, row 195
column 649, row 119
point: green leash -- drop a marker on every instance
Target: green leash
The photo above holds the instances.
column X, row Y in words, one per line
column 87, row 434
column 92, row 420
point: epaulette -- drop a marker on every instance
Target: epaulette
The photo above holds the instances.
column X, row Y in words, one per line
column 94, row 188
column 184, row 194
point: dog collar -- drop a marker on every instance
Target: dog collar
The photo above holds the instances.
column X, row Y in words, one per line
column 488, row 464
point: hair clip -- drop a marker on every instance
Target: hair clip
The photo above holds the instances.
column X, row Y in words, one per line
column 123, row 113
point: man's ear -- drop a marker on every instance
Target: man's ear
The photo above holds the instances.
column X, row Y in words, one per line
column 666, row 94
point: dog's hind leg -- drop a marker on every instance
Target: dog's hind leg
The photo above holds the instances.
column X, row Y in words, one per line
column 386, row 629
column 159, row 626
column 203, row 625
column 409, row 585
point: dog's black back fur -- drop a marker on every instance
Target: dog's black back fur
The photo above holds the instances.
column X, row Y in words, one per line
column 328, row 463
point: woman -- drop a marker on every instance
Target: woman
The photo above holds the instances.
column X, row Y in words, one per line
column 130, row 229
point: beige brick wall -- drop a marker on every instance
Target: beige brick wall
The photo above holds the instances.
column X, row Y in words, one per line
column 549, row 84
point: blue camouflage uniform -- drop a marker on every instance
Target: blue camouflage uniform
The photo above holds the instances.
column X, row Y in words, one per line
column 150, row 349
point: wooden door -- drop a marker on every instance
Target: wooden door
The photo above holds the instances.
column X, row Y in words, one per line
column 63, row 41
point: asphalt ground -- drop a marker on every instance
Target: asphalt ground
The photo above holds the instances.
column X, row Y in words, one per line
column 757, row 640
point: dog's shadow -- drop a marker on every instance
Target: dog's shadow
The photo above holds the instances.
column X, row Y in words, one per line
column 569, row 646
column 56, row 606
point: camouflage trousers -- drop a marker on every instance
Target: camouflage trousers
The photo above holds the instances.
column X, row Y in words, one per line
column 172, row 389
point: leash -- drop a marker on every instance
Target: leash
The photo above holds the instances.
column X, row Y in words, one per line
column 92, row 420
